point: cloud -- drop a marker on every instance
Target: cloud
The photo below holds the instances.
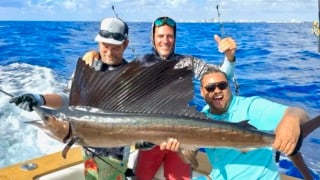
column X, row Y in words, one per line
column 70, row 4
column 147, row 10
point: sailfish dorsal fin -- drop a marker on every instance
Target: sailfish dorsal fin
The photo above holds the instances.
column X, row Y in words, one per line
column 135, row 88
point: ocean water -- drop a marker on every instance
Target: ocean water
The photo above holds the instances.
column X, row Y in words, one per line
column 278, row 61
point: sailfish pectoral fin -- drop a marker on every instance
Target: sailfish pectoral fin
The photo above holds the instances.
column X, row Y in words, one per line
column 68, row 146
column 189, row 156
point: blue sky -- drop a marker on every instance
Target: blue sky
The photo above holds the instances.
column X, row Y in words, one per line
column 147, row 10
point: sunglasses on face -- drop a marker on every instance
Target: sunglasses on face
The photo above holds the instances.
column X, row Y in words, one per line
column 164, row 20
column 115, row 36
column 212, row 86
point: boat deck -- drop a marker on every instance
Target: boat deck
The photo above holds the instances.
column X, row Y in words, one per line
column 54, row 166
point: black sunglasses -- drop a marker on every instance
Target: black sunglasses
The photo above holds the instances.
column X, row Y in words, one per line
column 212, row 86
column 115, row 36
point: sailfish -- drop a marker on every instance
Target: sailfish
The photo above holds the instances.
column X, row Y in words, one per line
column 148, row 103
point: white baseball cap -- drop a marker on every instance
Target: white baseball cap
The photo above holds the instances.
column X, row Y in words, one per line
column 112, row 31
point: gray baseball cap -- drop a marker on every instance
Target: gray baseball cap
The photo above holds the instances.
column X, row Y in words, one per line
column 112, row 31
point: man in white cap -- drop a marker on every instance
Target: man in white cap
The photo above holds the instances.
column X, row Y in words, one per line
column 100, row 163
column 113, row 40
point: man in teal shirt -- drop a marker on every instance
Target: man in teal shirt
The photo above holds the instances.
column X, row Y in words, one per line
column 258, row 163
column 265, row 115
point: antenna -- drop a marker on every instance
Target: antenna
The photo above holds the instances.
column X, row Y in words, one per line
column 114, row 12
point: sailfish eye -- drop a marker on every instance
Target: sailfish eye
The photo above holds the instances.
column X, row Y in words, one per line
column 46, row 118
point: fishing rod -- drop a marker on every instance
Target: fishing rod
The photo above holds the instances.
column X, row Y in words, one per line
column 222, row 32
column 114, row 12
column 6, row 93
column 131, row 48
column 219, row 19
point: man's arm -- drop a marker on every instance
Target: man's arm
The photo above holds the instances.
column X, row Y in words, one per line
column 227, row 46
column 228, row 68
column 52, row 100
column 90, row 56
column 28, row 101
column 288, row 130
column 56, row 101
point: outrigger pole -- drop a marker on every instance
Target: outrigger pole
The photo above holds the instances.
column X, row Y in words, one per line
column 318, row 25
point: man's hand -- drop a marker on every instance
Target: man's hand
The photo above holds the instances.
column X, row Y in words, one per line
column 28, row 101
column 172, row 145
column 90, row 56
column 227, row 46
column 288, row 130
column 144, row 145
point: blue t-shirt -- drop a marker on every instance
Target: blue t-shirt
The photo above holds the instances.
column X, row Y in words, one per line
column 259, row 163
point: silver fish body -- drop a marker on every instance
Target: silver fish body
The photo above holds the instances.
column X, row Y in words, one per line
column 118, row 129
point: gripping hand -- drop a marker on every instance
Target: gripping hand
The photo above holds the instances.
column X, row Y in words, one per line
column 28, row 101
column 144, row 145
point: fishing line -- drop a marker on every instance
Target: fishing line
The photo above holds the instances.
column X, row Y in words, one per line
column 222, row 32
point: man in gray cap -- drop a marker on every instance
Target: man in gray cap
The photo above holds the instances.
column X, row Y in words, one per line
column 113, row 40
column 100, row 163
